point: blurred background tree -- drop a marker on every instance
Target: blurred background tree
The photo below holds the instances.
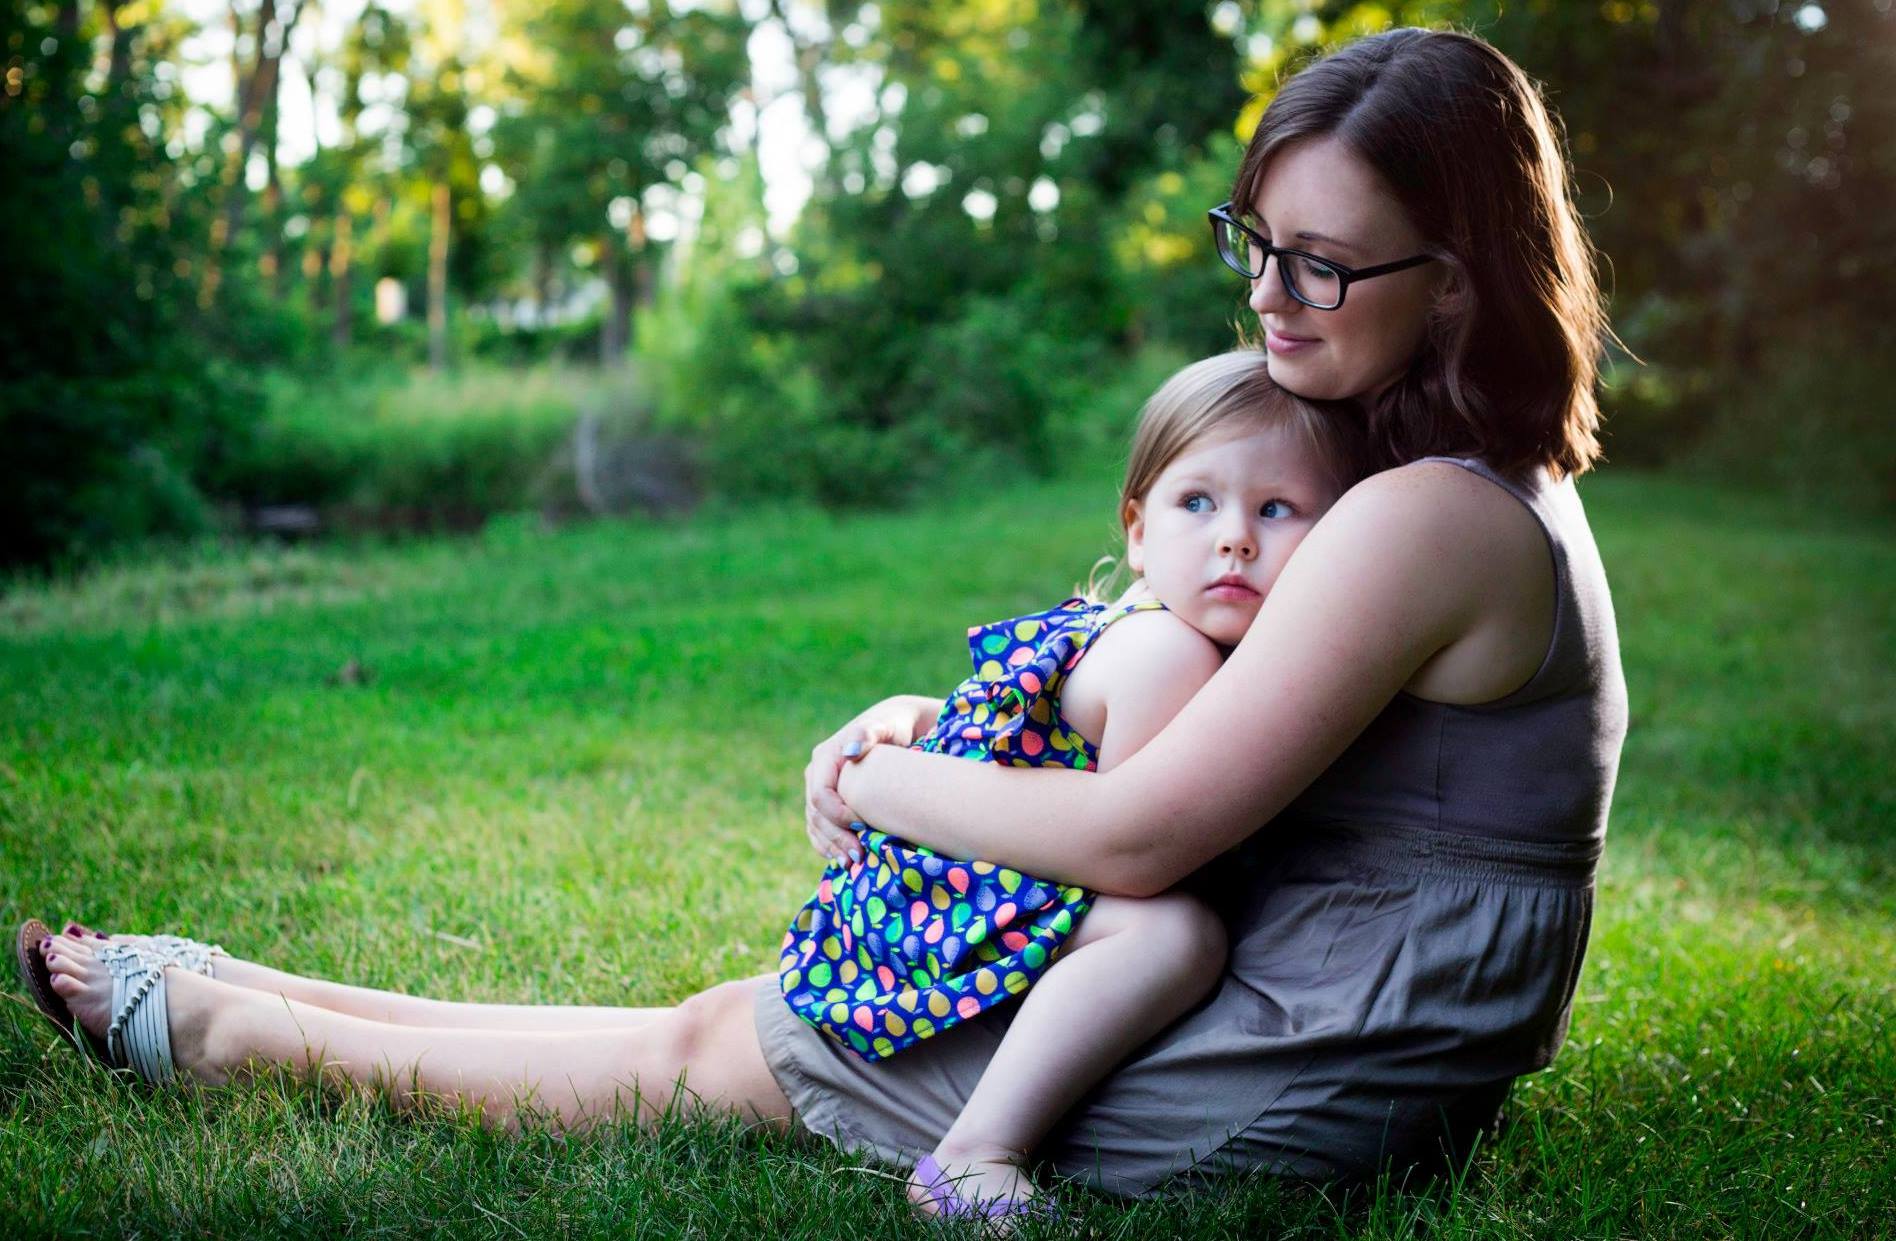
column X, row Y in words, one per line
column 380, row 258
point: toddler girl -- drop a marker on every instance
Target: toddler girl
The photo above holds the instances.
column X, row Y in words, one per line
column 1227, row 474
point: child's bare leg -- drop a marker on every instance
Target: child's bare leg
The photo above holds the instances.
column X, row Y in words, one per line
column 1131, row 969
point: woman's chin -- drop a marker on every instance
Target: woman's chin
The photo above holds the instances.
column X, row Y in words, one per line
column 1303, row 377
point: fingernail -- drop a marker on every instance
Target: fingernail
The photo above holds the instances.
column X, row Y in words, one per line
column 857, row 825
column 100, row 935
column 852, row 749
column 46, row 943
column 72, row 928
column 855, row 855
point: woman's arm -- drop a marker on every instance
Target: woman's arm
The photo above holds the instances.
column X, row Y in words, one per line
column 1407, row 565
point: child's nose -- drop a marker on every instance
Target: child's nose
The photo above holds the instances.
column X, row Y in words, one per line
column 1233, row 543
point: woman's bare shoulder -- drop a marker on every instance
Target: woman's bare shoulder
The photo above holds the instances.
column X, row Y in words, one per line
column 1474, row 552
column 1434, row 506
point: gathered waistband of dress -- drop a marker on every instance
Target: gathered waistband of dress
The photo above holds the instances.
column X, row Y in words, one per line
column 1432, row 851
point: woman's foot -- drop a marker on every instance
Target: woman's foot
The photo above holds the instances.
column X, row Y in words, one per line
column 977, row 1176
column 84, row 982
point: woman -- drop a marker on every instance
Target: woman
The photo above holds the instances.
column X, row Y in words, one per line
column 1399, row 778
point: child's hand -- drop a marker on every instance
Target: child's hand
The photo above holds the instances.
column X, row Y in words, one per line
column 832, row 826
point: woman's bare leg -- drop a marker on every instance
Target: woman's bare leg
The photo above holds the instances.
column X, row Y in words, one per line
column 702, row 1054
column 395, row 1008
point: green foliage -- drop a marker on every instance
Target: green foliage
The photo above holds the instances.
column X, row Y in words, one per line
column 1168, row 273
column 524, row 805
column 1008, row 208
column 112, row 407
column 1736, row 163
column 419, row 450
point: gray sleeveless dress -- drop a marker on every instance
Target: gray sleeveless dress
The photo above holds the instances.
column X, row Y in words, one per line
column 1405, row 940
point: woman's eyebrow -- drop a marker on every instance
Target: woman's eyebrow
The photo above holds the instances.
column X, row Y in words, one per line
column 1338, row 242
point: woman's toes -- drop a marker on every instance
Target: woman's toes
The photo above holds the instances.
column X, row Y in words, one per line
column 81, row 979
column 71, row 946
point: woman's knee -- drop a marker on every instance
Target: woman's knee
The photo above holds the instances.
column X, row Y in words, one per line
column 699, row 1026
column 710, row 1042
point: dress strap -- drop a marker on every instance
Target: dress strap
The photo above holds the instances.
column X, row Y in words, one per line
column 1110, row 616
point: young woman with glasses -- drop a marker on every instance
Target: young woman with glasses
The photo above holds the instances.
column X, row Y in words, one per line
column 1395, row 789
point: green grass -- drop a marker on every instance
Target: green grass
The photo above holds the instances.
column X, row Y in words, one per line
column 580, row 752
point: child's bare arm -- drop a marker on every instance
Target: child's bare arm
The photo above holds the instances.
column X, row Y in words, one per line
column 1136, row 677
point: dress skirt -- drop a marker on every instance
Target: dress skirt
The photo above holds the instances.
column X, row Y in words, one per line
column 1385, row 987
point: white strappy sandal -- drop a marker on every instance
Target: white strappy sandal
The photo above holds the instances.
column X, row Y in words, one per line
column 139, row 1036
column 188, row 954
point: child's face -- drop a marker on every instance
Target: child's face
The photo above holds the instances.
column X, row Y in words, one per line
column 1220, row 521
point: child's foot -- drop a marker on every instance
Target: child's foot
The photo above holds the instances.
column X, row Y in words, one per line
column 977, row 1176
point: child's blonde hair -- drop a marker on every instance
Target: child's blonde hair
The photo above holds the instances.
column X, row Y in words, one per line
column 1222, row 392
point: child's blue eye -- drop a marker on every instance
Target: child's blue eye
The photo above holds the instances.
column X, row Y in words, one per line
column 1275, row 508
column 1196, row 502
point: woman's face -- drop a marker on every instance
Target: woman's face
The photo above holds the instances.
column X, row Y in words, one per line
column 1317, row 196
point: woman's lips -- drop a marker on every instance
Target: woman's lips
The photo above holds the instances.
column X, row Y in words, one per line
column 1281, row 344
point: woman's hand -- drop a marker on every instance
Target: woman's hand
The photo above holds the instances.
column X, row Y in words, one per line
column 832, row 825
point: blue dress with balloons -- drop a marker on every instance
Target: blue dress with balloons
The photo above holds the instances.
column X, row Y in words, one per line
column 906, row 943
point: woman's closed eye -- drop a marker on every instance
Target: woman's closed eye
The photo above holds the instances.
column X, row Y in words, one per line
column 1313, row 269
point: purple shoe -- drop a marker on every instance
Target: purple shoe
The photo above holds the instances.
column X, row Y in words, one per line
column 947, row 1202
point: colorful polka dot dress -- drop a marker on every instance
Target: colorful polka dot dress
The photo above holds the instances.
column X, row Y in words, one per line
column 905, row 943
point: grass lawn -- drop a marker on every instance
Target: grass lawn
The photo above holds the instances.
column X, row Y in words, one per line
column 574, row 776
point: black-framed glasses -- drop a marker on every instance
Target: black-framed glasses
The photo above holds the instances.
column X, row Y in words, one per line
column 1316, row 282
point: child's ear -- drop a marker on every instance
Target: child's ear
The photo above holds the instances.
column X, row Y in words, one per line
column 1134, row 518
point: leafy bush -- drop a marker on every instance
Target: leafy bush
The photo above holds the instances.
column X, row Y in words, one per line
column 422, row 450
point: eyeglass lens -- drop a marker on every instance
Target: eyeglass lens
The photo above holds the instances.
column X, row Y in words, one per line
column 1309, row 280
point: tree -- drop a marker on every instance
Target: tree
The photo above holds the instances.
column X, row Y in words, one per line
column 618, row 99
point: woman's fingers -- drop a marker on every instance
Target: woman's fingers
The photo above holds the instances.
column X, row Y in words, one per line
column 826, row 843
column 826, row 815
column 826, row 807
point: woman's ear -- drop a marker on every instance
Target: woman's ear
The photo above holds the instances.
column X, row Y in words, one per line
column 1134, row 519
column 1451, row 297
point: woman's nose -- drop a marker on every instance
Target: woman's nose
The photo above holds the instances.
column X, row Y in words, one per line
column 1267, row 291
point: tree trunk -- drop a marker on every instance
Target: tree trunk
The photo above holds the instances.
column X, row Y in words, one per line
column 340, row 256
column 612, row 330
column 253, row 96
column 250, row 91
column 543, row 283
column 271, row 260
column 438, row 277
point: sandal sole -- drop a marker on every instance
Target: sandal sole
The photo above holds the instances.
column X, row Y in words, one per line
column 39, row 984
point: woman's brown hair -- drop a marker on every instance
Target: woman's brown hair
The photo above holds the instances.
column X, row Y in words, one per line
column 1462, row 140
